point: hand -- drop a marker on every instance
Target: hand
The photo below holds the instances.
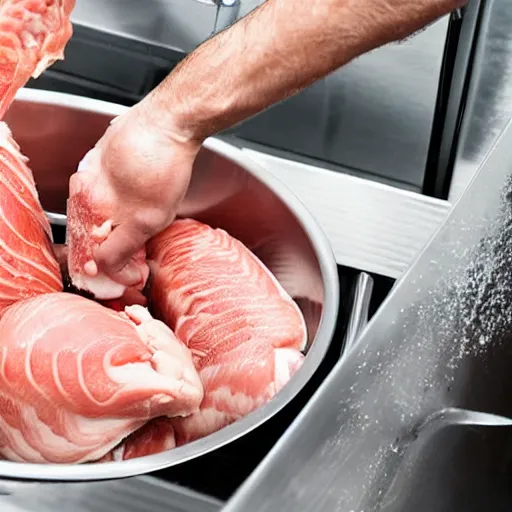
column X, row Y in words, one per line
column 134, row 178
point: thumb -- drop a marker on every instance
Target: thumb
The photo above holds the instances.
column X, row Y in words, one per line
column 60, row 252
column 114, row 254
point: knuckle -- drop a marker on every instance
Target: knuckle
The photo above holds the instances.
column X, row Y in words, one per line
column 150, row 221
column 105, row 258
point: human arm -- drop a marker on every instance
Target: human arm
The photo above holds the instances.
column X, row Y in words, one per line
column 280, row 48
column 277, row 50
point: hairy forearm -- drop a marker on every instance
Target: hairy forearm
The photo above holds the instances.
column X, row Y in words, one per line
column 277, row 50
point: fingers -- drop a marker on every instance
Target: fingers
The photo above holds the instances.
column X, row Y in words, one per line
column 114, row 254
column 131, row 297
column 61, row 255
column 134, row 297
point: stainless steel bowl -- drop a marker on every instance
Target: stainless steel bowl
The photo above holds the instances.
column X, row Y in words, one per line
column 227, row 190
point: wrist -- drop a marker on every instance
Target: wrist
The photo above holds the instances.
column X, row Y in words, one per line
column 176, row 113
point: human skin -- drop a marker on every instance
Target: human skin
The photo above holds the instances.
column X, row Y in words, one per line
column 277, row 50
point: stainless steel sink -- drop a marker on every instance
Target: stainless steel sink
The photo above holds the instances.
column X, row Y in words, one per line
column 178, row 24
column 140, row 494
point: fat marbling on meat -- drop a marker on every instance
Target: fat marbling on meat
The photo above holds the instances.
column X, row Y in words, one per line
column 245, row 332
column 27, row 264
column 76, row 378
column 33, row 35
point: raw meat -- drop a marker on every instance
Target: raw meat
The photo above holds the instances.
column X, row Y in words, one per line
column 246, row 210
column 88, row 227
column 27, row 264
column 243, row 329
column 156, row 436
column 131, row 296
column 76, row 378
column 33, row 34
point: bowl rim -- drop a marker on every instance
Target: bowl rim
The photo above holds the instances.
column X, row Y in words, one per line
column 316, row 353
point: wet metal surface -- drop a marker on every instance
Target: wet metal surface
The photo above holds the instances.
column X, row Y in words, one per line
column 442, row 339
